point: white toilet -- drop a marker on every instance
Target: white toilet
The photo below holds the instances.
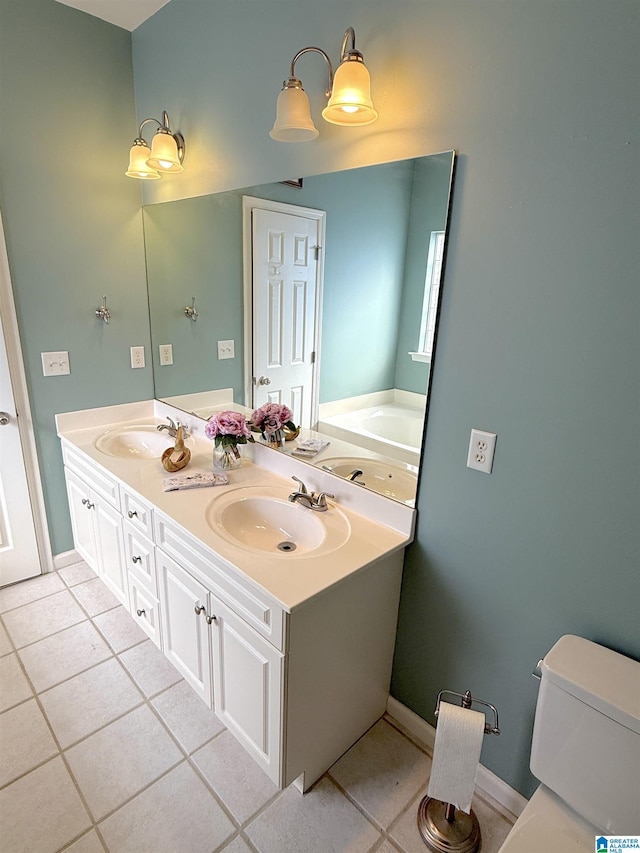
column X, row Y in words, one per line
column 585, row 751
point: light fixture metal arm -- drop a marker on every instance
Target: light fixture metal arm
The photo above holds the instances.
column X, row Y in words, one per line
column 350, row 34
column 312, row 49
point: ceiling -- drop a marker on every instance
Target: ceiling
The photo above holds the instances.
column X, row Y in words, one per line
column 127, row 14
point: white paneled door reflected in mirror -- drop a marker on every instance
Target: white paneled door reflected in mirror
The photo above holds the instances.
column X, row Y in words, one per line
column 322, row 296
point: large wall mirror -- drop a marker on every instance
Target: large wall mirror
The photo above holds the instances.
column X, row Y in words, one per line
column 369, row 338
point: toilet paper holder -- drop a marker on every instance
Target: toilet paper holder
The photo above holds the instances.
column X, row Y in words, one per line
column 467, row 701
column 442, row 828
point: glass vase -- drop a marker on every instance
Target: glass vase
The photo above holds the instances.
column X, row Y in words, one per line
column 274, row 439
column 226, row 457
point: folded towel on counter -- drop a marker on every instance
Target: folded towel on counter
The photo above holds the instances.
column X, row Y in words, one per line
column 194, row 481
column 310, row 447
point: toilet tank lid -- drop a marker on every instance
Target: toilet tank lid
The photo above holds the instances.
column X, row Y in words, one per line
column 600, row 677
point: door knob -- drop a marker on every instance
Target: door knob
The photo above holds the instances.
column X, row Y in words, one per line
column 264, row 380
column 4, row 418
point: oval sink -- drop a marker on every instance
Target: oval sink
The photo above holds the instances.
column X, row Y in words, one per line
column 134, row 442
column 262, row 519
column 385, row 478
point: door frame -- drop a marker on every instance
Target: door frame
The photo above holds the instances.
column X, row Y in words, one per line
column 250, row 203
column 21, row 400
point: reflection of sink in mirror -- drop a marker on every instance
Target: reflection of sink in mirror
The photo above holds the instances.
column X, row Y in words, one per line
column 382, row 477
column 134, row 442
column 263, row 519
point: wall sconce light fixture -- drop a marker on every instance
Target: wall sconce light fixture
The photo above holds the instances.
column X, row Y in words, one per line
column 165, row 155
column 349, row 94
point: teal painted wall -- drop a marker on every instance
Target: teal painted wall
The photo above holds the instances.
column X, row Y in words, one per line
column 72, row 219
column 539, row 334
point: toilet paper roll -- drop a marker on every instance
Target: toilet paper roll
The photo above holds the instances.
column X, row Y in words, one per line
column 456, row 755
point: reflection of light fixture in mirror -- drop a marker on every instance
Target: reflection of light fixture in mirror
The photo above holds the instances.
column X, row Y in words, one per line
column 349, row 94
column 190, row 310
column 165, row 155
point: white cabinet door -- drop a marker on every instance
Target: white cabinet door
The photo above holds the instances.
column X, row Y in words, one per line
column 185, row 633
column 82, row 519
column 248, row 675
column 110, row 548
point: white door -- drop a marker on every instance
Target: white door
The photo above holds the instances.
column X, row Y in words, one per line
column 19, row 558
column 286, row 276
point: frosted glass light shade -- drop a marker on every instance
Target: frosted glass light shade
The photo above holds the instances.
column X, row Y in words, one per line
column 350, row 102
column 164, row 153
column 138, row 167
column 293, row 117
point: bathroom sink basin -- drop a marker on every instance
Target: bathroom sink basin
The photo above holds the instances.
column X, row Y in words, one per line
column 142, row 441
column 262, row 519
column 388, row 479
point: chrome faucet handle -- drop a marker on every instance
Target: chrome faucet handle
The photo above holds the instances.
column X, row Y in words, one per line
column 320, row 501
column 303, row 489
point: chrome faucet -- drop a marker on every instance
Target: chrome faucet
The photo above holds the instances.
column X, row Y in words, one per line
column 353, row 476
column 310, row 499
column 172, row 428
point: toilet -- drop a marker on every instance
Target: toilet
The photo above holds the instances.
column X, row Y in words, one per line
column 585, row 751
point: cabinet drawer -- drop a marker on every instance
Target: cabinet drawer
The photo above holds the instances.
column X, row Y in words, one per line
column 255, row 607
column 137, row 511
column 145, row 608
column 105, row 485
column 140, row 556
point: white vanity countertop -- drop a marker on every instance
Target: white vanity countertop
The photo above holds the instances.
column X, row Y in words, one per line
column 289, row 578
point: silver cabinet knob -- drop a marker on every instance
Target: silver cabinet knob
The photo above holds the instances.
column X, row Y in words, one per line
column 140, row 612
column 136, row 559
column 264, row 380
column 5, row 417
column 199, row 608
column 211, row 619
column 132, row 513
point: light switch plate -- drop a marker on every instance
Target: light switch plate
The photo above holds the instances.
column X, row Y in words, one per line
column 55, row 363
column 481, row 449
column 225, row 349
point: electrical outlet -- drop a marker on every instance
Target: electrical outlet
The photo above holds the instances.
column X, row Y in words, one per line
column 481, row 449
column 137, row 356
column 55, row 363
column 166, row 354
column 225, row 349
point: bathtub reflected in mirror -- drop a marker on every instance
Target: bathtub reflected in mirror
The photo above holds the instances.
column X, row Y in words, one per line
column 378, row 312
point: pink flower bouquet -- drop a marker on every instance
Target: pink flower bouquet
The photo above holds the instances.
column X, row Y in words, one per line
column 228, row 429
column 271, row 419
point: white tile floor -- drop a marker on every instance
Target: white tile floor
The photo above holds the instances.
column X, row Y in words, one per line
column 104, row 747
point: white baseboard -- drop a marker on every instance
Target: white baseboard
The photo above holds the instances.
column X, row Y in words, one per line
column 66, row 558
column 487, row 782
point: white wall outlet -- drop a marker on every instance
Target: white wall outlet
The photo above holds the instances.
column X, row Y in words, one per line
column 137, row 356
column 225, row 349
column 481, row 449
column 166, row 354
column 55, row 363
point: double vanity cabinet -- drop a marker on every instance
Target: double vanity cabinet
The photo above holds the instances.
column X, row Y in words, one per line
column 292, row 651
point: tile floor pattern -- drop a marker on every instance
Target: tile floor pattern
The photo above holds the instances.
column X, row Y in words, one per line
column 104, row 747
